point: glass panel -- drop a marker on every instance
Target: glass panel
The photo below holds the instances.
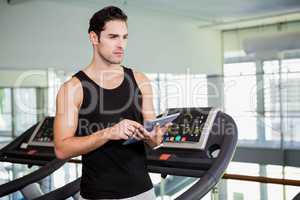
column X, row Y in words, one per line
column 240, row 94
column 5, row 112
column 187, row 182
column 282, row 101
column 271, row 67
column 242, row 190
column 25, row 109
column 291, row 107
column 291, row 65
column 170, row 91
column 239, row 68
column 292, row 173
column 275, row 191
column 185, row 90
column 154, row 82
column 271, row 93
column 198, row 91
column 178, row 90
column 272, row 100
column 274, row 171
column 172, row 186
column 246, row 126
column 65, row 174
column 291, row 127
column 240, row 97
column 272, row 126
column 251, row 169
column 291, row 191
column 55, row 80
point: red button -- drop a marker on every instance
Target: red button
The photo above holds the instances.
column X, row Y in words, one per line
column 183, row 139
column 164, row 156
column 32, row 152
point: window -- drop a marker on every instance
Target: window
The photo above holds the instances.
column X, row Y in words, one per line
column 154, row 78
column 5, row 112
column 282, row 99
column 271, row 100
column 275, row 89
column 25, row 111
column 243, row 189
column 55, row 80
column 240, row 97
column 18, row 110
column 178, row 90
column 292, row 173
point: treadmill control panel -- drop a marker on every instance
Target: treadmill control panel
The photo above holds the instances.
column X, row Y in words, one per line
column 191, row 129
column 42, row 134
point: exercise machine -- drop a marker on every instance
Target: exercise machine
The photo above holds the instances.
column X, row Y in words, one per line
column 33, row 147
column 200, row 143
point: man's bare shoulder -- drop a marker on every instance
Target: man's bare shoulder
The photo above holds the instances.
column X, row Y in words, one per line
column 143, row 82
column 72, row 90
column 140, row 77
column 72, row 83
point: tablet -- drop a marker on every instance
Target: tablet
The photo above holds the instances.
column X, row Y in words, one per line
column 149, row 125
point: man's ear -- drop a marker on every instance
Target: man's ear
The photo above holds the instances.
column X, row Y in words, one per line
column 93, row 37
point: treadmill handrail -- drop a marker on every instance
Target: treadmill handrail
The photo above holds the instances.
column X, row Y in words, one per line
column 64, row 192
column 212, row 176
column 262, row 179
column 35, row 176
column 297, row 197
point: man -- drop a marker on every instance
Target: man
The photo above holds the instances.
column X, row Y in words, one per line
column 102, row 106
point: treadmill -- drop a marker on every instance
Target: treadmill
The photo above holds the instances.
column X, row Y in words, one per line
column 200, row 143
column 33, row 147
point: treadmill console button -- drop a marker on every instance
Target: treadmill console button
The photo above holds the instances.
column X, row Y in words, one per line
column 164, row 156
column 177, row 139
column 166, row 138
column 32, row 152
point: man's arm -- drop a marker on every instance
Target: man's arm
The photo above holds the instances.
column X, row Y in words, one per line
column 68, row 145
column 144, row 85
column 148, row 108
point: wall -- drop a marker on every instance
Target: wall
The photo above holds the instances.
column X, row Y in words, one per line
column 20, row 78
column 53, row 34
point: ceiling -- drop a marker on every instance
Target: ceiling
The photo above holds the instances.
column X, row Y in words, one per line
column 220, row 10
column 226, row 14
column 221, row 14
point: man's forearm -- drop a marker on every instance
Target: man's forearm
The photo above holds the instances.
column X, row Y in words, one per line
column 75, row 146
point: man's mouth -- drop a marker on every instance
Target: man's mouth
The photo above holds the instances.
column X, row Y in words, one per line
column 119, row 52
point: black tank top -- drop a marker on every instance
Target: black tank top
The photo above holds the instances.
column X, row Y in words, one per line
column 113, row 170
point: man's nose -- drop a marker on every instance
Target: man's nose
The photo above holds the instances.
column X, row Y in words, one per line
column 122, row 43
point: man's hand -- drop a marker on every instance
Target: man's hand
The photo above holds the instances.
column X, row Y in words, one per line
column 123, row 130
column 154, row 137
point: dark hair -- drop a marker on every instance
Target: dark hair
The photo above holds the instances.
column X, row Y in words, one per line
column 99, row 19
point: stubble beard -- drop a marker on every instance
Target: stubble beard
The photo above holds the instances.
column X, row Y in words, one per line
column 111, row 60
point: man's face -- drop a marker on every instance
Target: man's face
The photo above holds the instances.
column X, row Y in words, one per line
column 113, row 41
